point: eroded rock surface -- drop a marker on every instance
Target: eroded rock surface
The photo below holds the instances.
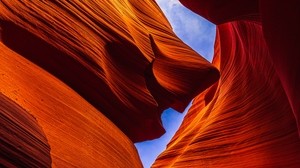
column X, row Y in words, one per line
column 96, row 76
column 249, row 117
column 22, row 141
column 105, row 51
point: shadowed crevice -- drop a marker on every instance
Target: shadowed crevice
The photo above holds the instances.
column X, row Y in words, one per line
column 22, row 141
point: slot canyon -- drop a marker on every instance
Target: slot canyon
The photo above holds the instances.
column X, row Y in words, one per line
column 82, row 81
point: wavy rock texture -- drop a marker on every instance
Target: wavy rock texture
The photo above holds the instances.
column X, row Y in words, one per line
column 77, row 133
column 96, row 75
column 22, row 141
column 280, row 22
column 121, row 56
column 246, row 118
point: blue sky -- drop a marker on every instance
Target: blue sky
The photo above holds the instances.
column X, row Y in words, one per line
column 199, row 34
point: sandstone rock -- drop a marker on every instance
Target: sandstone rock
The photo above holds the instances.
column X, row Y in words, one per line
column 103, row 51
column 23, row 142
column 246, row 118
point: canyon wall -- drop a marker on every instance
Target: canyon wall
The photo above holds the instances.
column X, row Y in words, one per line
column 81, row 81
column 75, row 132
column 22, row 139
column 249, row 117
column 121, row 56
column 91, row 78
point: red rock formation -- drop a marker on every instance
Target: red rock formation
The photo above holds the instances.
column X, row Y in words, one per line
column 246, row 119
column 281, row 30
column 220, row 12
column 96, row 75
column 118, row 55
column 77, row 133
column 22, row 141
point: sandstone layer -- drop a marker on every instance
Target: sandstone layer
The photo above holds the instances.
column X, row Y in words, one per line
column 94, row 76
column 77, row 133
column 121, row 56
column 249, row 117
column 280, row 24
column 82, row 80
column 22, row 141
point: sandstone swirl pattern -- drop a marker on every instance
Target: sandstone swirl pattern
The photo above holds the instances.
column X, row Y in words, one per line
column 248, row 118
column 96, row 75
column 22, row 141
column 118, row 55
column 80, row 81
column 77, row 133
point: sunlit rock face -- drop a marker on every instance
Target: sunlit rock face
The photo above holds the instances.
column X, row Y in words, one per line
column 77, row 133
column 280, row 30
column 120, row 56
column 94, row 76
column 249, row 117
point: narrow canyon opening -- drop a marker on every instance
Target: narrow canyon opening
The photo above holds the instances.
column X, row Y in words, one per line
column 199, row 34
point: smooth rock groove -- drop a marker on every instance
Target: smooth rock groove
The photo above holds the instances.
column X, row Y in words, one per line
column 96, row 76
column 249, row 117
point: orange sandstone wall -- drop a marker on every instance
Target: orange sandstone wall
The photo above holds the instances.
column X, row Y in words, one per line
column 280, row 23
column 95, row 76
column 23, row 142
column 121, row 56
column 249, row 117
column 77, row 133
